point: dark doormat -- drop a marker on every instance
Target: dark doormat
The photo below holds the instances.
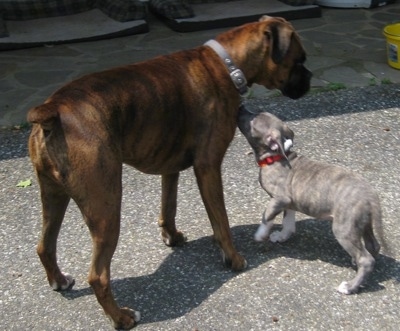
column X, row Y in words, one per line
column 85, row 26
column 212, row 15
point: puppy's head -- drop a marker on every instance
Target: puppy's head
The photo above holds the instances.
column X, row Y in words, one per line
column 265, row 133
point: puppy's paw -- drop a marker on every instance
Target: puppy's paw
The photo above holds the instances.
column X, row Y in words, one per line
column 345, row 288
column 261, row 233
column 279, row 236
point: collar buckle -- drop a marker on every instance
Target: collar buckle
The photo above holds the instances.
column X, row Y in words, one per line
column 239, row 80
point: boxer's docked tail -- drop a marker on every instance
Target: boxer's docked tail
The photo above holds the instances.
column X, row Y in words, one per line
column 45, row 115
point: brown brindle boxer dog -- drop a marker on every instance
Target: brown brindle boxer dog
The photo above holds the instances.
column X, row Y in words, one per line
column 160, row 116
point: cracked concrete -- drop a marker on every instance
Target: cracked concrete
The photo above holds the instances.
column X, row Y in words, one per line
column 344, row 46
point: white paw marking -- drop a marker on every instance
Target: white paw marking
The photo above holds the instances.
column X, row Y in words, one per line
column 261, row 233
column 279, row 236
column 166, row 238
column 57, row 287
column 137, row 316
column 344, row 288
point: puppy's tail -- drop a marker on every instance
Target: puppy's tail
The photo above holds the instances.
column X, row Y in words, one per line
column 44, row 115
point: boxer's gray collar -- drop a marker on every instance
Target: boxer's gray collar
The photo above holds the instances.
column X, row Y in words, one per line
column 237, row 76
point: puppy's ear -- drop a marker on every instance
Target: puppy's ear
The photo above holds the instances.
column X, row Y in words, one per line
column 273, row 140
column 287, row 132
column 279, row 35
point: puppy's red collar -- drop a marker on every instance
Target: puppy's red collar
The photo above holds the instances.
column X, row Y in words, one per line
column 270, row 160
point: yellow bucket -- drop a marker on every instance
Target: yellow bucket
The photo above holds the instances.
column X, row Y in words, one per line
column 392, row 34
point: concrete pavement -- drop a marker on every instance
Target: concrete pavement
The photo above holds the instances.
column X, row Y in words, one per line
column 289, row 286
column 346, row 48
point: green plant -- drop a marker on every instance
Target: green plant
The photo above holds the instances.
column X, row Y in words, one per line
column 372, row 81
column 22, row 126
column 335, row 86
column 386, row 81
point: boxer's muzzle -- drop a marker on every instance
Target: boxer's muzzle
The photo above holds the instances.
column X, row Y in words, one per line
column 298, row 83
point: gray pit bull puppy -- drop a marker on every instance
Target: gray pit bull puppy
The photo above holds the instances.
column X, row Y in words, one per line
column 323, row 191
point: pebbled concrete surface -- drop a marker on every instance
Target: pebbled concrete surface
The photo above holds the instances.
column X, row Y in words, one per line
column 344, row 46
column 289, row 286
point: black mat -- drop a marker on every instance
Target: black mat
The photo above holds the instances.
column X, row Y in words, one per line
column 85, row 26
column 233, row 13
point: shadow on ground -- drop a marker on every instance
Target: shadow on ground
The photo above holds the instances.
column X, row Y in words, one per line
column 333, row 103
column 191, row 274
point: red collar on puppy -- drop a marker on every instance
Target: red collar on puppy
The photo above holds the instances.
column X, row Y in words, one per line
column 270, row 160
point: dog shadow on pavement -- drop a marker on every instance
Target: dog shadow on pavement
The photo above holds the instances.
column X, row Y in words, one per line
column 314, row 240
column 191, row 274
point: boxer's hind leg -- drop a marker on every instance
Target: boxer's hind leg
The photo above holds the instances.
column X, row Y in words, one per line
column 54, row 204
column 99, row 199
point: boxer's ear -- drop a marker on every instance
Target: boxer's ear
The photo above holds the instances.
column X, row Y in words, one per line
column 267, row 17
column 264, row 18
column 280, row 37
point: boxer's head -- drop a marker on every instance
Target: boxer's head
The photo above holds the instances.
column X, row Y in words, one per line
column 270, row 53
column 285, row 57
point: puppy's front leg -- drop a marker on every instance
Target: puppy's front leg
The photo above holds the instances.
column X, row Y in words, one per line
column 273, row 209
column 288, row 229
column 263, row 231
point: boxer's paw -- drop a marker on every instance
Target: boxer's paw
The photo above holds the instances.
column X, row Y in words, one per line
column 279, row 236
column 177, row 239
column 127, row 319
column 236, row 263
column 66, row 284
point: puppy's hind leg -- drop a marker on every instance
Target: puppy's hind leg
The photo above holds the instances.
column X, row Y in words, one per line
column 288, row 229
column 351, row 242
